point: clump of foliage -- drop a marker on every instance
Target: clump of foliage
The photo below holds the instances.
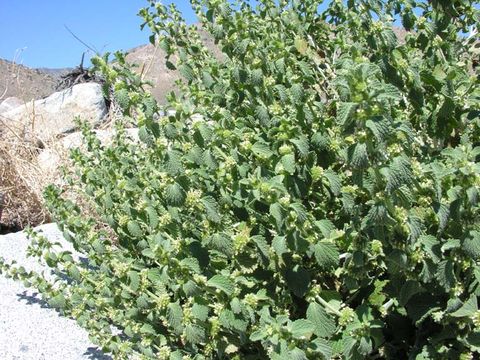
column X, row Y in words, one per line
column 314, row 194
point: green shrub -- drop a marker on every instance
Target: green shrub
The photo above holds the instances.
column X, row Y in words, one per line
column 315, row 195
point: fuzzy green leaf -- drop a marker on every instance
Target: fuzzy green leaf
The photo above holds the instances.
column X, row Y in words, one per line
column 256, row 77
column 389, row 92
column 301, row 211
column 175, row 195
column 445, row 274
column 297, row 354
column 175, row 318
column 326, row 227
column 173, row 163
column 302, row 329
column 298, row 93
column 57, row 302
column 358, row 156
column 261, row 112
column 345, row 112
column 327, row 255
column 262, row 150
column 379, row 127
column 302, row 146
column 471, row 245
column 200, row 312
column 399, row 173
column 323, row 348
column 222, row 283
column 469, row 308
column 187, row 72
column 334, row 181
column 122, row 98
column 152, row 217
column 211, row 209
column 278, row 214
column 279, row 244
column 222, row 243
column 194, row 334
column 289, row 164
column 134, row 229
column 323, row 323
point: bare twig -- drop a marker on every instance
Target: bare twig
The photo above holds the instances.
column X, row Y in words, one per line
column 9, row 128
column 6, row 78
column 150, row 63
column 90, row 47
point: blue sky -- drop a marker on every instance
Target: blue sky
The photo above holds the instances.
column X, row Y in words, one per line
column 33, row 32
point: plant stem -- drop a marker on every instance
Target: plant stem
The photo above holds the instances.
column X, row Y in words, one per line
column 328, row 306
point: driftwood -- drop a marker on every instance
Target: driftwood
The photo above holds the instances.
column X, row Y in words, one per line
column 78, row 75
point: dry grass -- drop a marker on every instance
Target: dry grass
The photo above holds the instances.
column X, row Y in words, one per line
column 26, row 168
column 23, row 177
column 21, row 182
column 19, row 185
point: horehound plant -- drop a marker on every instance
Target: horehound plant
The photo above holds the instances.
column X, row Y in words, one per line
column 314, row 194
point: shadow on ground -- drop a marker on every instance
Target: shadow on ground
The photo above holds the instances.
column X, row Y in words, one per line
column 92, row 353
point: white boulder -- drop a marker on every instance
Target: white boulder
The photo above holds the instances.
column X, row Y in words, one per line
column 49, row 161
column 54, row 115
column 10, row 103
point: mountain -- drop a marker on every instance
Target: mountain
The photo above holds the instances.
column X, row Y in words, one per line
column 151, row 62
column 55, row 73
column 23, row 82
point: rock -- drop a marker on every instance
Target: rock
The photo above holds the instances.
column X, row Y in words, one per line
column 29, row 328
column 51, row 158
column 53, row 116
column 10, row 103
column 49, row 161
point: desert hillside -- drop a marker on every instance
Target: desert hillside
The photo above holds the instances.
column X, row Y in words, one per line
column 151, row 61
column 23, row 82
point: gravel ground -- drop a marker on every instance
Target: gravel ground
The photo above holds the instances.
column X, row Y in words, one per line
column 29, row 328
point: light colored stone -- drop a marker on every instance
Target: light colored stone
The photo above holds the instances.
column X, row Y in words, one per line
column 49, row 161
column 54, row 115
column 10, row 103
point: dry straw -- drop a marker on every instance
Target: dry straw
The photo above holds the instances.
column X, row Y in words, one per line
column 21, row 181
